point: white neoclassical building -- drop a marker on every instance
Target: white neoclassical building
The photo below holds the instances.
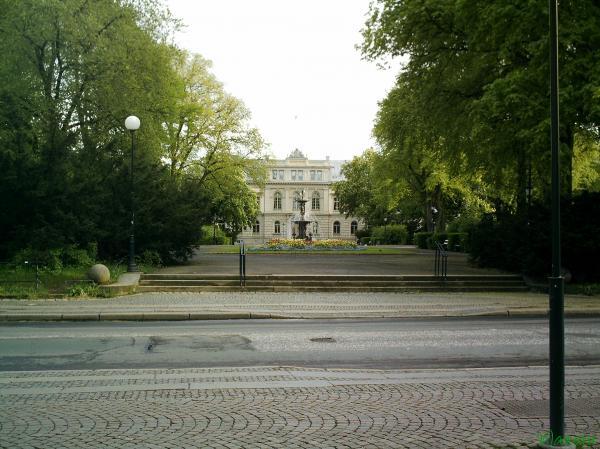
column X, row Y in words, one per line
column 294, row 178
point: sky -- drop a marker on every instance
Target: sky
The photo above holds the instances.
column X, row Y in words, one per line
column 295, row 66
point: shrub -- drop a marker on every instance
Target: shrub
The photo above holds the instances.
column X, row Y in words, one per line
column 213, row 236
column 394, row 234
column 457, row 241
column 522, row 243
column 71, row 256
column 365, row 240
column 56, row 259
column 360, row 233
column 420, row 239
column 151, row 258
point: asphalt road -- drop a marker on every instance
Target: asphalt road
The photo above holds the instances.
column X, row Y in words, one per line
column 383, row 344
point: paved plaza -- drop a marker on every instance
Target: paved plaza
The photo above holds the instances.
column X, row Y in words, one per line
column 289, row 407
column 410, row 261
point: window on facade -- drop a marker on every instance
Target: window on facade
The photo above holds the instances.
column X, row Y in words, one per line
column 316, row 175
column 258, row 201
column 277, row 227
column 277, row 201
column 256, row 227
column 353, row 227
column 296, row 205
column 280, row 173
column 316, row 201
column 336, row 204
column 316, row 228
column 300, row 174
column 293, row 175
column 336, row 227
column 274, row 174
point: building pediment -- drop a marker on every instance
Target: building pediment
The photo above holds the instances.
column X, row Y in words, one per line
column 297, row 154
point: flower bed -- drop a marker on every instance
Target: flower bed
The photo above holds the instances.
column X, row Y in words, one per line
column 331, row 244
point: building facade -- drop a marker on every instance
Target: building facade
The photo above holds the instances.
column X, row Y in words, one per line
column 294, row 178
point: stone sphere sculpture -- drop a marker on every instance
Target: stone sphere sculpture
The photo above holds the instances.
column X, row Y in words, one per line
column 99, row 274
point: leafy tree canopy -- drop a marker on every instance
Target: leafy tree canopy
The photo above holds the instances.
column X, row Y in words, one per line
column 72, row 70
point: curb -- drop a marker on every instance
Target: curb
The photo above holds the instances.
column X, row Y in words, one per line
column 205, row 316
column 138, row 316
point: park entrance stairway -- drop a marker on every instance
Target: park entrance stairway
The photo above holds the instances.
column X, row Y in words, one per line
column 332, row 283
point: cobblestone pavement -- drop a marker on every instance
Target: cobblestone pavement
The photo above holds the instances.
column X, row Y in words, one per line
column 289, row 407
column 308, row 305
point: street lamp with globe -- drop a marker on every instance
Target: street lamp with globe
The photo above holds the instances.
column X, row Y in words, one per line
column 132, row 123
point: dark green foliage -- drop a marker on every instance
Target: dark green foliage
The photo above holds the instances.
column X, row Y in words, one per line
column 458, row 241
column 72, row 70
column 521, row 243
column 213, row 235
column 56, row 259
column 389, row 235
column 360, row 233
column 149, row 258
column 365, row 240
column 420, row 239
column 452, row 241
column 439, row 237
column 476, row 75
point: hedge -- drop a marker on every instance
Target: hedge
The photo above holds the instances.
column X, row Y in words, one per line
column 394, row 234
column 456, row 241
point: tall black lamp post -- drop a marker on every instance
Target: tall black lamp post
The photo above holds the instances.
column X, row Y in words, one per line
column 132, row 123
column 557, row 325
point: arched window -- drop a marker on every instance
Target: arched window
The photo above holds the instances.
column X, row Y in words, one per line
column 296, row 205
column 336, row 203
column 316, row 201
column 256, row 227
column 336, row 227
column 277, row 201
column 277, row 227
column 353, row 227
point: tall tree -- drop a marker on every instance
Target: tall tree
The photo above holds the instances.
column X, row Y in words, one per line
column 478, row 71
column 412, row 156
column 72, row 71
column 209, row 139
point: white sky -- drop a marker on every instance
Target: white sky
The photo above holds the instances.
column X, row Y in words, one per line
column 294, row 65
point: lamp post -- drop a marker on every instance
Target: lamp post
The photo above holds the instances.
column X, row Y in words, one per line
column 434, row 212
column 385, row 225
column 557, row 324
column 132, row 123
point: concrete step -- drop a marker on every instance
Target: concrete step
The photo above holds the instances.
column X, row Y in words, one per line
column 325, row 283
column 344, row 288
column 200, row 276
column 363, row 283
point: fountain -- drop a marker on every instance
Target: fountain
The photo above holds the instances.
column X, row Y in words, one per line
column 301, row 220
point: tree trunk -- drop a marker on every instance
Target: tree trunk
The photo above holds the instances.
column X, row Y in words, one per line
column 568, row 141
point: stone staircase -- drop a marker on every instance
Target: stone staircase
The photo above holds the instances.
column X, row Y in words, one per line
column 330, row 283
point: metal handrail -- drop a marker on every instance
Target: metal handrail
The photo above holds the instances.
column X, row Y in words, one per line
column 441, row 261
column 242, row 264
